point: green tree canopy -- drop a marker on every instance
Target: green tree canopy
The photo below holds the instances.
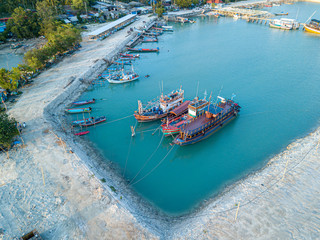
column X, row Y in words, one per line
column 184, row 3
column 159, row 9
column 80, row 4
column 8, row 130
column 24, row 23
column 8, row 80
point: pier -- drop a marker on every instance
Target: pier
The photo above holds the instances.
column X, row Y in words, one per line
column 136, row 39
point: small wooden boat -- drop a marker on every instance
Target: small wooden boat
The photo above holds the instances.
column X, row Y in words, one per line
column 123, row 77
column 78, row 122
column 81, row 133
column 130, row 55
column 167, row 28
column 281, row 14
column 268, row 5
column 149, row 39
column 93, row 121
column 127, row 59
column 78, row 110
column 313, row 26
column 143, row 49
column 120, row 62
column 84, row 102
column 159, row 109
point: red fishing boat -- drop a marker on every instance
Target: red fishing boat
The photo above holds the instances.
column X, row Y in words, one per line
column 81, row 133
column 143, row 49
column 159, row 109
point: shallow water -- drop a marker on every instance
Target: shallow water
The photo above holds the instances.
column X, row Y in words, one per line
column 274, row 75
column 9, row 60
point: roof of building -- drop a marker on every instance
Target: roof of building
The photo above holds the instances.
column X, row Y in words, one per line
column 112, row 25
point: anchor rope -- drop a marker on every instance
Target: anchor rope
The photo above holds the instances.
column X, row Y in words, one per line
column 154, row 167
column 147, row 160
column 125, row 168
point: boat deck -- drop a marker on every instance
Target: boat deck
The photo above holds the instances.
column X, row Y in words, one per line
column 202, row 120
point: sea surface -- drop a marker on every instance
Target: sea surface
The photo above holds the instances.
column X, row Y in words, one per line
column 10, row 60
column 274, row 75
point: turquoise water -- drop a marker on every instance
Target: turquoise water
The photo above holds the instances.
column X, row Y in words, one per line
column 275, row 75
column 9, row 60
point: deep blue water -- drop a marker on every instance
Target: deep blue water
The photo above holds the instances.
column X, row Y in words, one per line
column 275, row 75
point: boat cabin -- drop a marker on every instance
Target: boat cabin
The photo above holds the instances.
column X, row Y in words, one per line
column 197, row 108
column 315, row 23
column 168, row 102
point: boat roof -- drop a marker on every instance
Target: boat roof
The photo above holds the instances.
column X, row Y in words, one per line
column 182, row 108
column 315, row 20
column 202, row 120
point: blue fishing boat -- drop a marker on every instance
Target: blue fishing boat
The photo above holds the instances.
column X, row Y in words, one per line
column 122, row 62
column 149, row 39
column 78, row 110
column 84, row 102
column 209, row 121
column 93, row 121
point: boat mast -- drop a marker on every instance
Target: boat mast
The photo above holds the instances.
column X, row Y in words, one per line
column 140, row 107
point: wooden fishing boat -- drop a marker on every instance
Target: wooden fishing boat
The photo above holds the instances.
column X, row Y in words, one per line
column 159, row 109
column 123, row 78
column 81, row 133
column 151, row 34
column 313, row 26
column 130, row 55
column 281, row 14
column 78, row 110
column 284, row 24
column 78, row 122
column 93, row 121
column 149, row 39
column 212, row 119
column 127, row 59
column 167, row 28
column 78, row 103
column 143, row 49
column 194, row 109
column 121, row 62
column 155, row 29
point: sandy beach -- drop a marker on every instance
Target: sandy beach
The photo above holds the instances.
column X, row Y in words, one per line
column 53, row 182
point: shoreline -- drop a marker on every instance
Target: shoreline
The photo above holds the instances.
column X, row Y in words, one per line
column 194, row 225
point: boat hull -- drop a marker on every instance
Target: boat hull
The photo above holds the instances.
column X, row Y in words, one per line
column 121, row 81
column 142, row 118
column 207, row 134
column 311, row 30
column 80, row 110
column 279, row 26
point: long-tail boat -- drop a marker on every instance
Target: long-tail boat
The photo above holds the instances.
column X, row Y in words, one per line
column 130, row 55
column 81, row 133
column 84, row 102
column 195, row 108
column 78, row 110
column 143, row 49
column 159, row 109
column 122, row 62
column 94, row 121
column 313, row 26
column 78, row 122
column 212, row 119
column 167, row 28
column 149, row 39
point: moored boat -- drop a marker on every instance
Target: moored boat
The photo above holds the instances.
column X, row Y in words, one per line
column 143, row 49
column 93, row 121
column 172, row 125
column 159, row 109
column 130, row 55
column 212, row 119
column 281, row 14
column 122, row 62
column 313, row 26
column 284, row 24
column 123, row 78
column 78, row 103
column 167, row 28
column 149, row 39
column 78, row 110
column 78, row 122
column 81, row 133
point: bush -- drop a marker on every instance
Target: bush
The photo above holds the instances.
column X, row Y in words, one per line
column 8, row 130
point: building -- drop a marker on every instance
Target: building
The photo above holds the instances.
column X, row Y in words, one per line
column 112, row 27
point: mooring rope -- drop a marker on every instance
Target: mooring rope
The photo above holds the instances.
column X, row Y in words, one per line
column 147, row 161
column 125, row 168
column 154, row 167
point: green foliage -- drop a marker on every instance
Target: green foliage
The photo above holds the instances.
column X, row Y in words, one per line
column 113, row 188
column 103, row 180
column 79, row 4
column 46, row 14
column 8, row 130
column 24, row 23
column 159, row 9
column 9, row 80
column 184, row 3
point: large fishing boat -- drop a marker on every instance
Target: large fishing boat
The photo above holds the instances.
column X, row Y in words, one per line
column 159, row 109
column 172, row 125
column 284, row 24
column 213, row 117
column 313, row 26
